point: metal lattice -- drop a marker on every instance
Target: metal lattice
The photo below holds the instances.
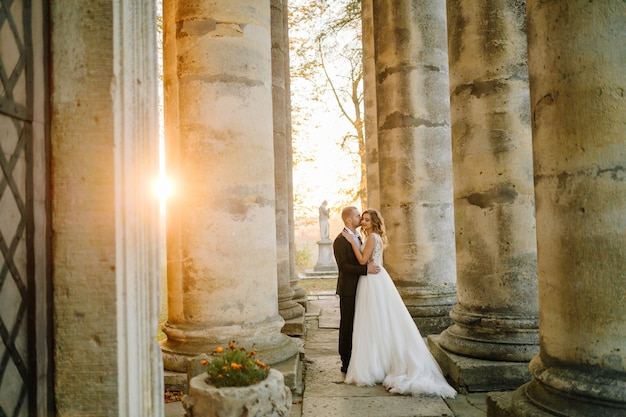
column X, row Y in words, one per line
column 17, row 379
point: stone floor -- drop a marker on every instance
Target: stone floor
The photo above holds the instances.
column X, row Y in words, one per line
column 325, row 395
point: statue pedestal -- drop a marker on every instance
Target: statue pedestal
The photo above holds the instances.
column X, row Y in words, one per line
column 326, row 267
column 325, row 259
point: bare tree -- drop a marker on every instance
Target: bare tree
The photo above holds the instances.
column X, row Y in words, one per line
column 326, row 51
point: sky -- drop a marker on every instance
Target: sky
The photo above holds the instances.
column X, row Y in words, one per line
column 320, row 128
column 331, row 168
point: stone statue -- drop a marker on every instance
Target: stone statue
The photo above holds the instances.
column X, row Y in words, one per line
column 324, row 226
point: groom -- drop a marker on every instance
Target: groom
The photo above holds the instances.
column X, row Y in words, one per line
column 349, row 272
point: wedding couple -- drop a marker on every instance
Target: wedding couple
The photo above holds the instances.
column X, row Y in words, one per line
column 378, row 339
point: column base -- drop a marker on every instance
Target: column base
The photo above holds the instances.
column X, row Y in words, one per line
column 299, row 295
column 290, row 310
column 184, row 347
column 499, row 404
column 175, row 381
column 292, row 371
column 478, row 375
column 569, row 391
column 294, row 326
column 430, row 307
column 523, row 405
column 432, row 325
column 493, row 337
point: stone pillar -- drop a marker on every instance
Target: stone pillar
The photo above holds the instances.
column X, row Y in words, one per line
column 221, row 230
column 290, row 310
column 104, row 160
column 299, row 293
column 495, row 318
column 415, row 158
column 369, row 105
column 577, row 82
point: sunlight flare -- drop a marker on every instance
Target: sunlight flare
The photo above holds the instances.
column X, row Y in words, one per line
column 163, row 188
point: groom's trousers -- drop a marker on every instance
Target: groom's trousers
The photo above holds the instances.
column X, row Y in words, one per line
column 346, row 324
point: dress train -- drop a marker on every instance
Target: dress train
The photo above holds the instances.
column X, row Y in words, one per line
column 387, row 346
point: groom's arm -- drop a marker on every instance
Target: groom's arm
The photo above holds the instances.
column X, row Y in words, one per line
column 346, row 261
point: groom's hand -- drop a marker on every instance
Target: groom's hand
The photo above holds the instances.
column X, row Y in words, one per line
column 373, row 269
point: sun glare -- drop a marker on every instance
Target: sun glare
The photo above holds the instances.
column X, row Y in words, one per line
column 163, row 188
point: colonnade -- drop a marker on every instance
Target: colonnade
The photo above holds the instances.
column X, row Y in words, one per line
column 497, row 163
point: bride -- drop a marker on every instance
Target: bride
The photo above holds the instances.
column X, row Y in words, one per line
column 387, row 346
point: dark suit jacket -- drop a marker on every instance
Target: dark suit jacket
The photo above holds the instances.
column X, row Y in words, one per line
column 349, row 268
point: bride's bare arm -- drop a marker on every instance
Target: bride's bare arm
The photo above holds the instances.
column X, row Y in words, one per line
column 364, row 257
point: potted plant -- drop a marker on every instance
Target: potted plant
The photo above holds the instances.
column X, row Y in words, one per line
column 237, row 384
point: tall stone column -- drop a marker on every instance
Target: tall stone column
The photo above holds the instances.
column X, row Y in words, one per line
column 577, row 83
column 105, row 249
column 495, row 318
column 415, row 158
column 369, row 105
column 221, row 230
column 299, row 293
column 290, row 310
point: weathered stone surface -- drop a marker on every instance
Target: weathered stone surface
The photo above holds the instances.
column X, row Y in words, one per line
column 496, row 315
column 376, row 406
column 222, row 235
column 499, row 404
column 291, row 311
column 414, row 154
column 469, row 375
column 370, row 124
column 577, row 82
column 269, row 398
column 104, row 266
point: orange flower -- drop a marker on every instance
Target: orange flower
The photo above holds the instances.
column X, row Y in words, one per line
column 220, row 376
column 224, row 368
column 204, row 362
column 219, row 350
column 235, row 365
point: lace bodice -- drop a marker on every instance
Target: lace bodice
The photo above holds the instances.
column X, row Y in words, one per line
column 377, row 255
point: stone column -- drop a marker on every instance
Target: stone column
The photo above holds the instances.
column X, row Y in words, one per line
column 495, row 318
column 415, row 158
column 299, row 293
column 221, row 230
column 369, row 105
column 290, row 310
column 104, row 160
column 577, row 82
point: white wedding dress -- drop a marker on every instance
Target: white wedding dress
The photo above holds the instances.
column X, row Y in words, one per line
column 387, row 346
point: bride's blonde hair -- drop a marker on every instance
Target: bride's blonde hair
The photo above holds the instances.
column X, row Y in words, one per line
column 378, row 224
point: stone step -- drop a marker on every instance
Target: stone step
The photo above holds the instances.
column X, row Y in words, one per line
column 478, row 375
column 294, row 326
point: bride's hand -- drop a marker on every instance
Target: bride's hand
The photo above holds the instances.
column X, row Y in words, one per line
column 348, row 236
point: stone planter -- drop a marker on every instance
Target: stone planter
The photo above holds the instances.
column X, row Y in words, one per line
column 267, row 398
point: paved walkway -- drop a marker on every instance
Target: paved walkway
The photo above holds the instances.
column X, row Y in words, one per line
column 325, row 394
